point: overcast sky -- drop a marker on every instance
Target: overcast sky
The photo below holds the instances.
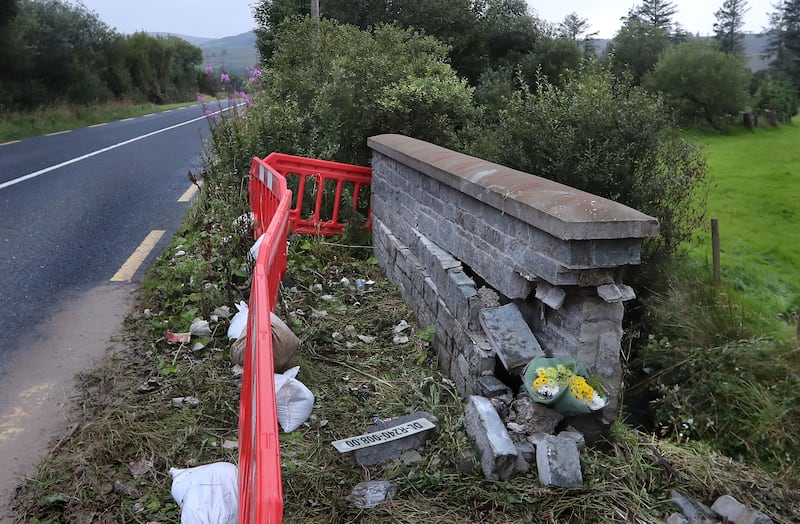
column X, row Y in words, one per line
column 218, row 18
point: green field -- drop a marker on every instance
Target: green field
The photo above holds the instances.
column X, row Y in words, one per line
column 755, row 195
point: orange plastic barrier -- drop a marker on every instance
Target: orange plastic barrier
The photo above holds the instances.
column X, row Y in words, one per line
column 260, row 488
column 330, row 179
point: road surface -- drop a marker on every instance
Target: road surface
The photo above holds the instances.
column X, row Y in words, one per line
column 82, row 214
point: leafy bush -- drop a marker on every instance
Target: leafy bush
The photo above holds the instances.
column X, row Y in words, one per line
column 330, row 86
column 700, row 81
column 776, row 93
column 609, row 139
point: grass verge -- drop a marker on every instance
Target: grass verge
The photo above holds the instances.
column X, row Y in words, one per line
column 128, row 431
column 16, row 126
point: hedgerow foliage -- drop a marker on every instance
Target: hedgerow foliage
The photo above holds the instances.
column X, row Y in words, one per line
column 606, row 138
column 330, row 86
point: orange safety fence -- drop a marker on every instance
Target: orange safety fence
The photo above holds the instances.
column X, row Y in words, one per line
column 330, row 180
column 260, row 488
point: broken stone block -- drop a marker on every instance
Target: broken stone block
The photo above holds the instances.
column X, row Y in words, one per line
column 737, row 513
column 492, row 386
column 534, row 417
column 695, row 511
column 393, row 449
column 558, row 463
column 495, row 448
column 575, row 436
column 551, row 295
column 615, row 293
column 370, row 494
column 510, row 337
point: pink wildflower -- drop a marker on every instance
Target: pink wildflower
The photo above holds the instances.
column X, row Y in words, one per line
column 209, row 70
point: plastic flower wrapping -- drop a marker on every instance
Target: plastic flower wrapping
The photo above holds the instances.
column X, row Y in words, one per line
column 563, row 385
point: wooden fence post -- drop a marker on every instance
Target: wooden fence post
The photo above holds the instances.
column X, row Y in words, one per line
column 715, row 248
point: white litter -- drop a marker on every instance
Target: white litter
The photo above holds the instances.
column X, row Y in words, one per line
column 207, row 494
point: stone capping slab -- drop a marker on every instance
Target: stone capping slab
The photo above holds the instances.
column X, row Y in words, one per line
column 562, row 211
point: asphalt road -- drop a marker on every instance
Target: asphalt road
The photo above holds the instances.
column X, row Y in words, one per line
column 74, row 206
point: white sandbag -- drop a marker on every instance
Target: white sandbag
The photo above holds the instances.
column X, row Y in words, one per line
column 239, row 321
column 207, row 494
column 253, row 256
column 294, row 401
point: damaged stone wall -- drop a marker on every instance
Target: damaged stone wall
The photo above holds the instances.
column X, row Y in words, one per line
column 505, row 265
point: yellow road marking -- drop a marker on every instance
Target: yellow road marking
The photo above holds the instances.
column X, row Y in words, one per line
column 189, row 193
column 130, row 266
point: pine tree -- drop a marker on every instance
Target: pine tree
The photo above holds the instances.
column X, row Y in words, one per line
column 657, row 13
column 728, row 27
column 784, row 40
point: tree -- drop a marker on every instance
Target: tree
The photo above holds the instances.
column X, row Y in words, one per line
column 784, row 40
column 636, row 47
column 573, row 26
column 698, row 80
column 656, row 13
column 728, row 27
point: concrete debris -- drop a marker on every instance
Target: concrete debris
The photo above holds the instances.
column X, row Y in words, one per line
column 222, row 311
column 737, row 513
column 185, row 401
column 318, row 313
column 549, row 294
column 488, row 296
column 200, row 328
column 558, row 463
column 498, row 454
column 694, row 511
column 370, row 494
column 401, row 326
column 534, row 417
column 615, row 293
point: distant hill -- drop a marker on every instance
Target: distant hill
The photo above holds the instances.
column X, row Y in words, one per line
column 194, row 40
column 234, row 53
column 231, row 53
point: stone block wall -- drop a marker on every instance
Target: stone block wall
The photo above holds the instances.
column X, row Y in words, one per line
column 458, row 234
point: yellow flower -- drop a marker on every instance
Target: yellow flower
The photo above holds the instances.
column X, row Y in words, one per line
column 580, row 389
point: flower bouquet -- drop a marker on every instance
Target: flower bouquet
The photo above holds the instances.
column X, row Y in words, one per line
column 563, row 385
